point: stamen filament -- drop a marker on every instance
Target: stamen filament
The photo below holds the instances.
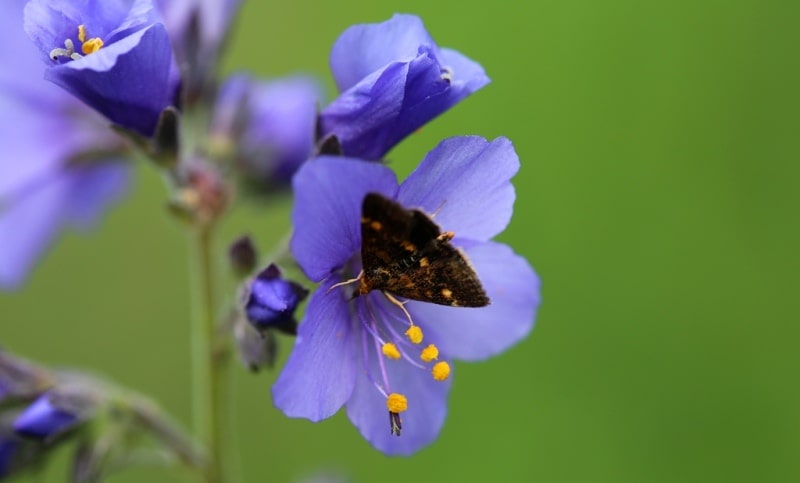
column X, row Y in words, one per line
column 365, row 359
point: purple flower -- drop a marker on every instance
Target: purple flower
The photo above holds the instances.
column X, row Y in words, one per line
column 353, row 351
column 271, row 300
column 393, row 79
column 270, row 125
column 42, row 419
column 59, row 166
column 112, row 55
column 198, row 29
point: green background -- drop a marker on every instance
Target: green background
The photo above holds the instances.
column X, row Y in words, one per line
column 658, row 200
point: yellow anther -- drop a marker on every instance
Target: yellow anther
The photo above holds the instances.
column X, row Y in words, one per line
column 396, row 403
column 441, row 371
column 390, row 351
column 92, row 45
column 82, row 33
column 430, row 353
column 414, row 334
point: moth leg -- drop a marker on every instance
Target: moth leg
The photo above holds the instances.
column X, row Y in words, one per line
column 400, row 304
column 347, row 282
column 436, row 212
column 446, row 236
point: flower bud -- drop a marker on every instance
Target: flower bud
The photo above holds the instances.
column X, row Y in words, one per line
column 256, row 349
column 243, row 256
column 271, row 300
column 42, row 419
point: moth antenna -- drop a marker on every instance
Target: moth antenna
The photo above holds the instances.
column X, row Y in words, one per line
column 436, row 212
column 400, row 304
column 347, row 282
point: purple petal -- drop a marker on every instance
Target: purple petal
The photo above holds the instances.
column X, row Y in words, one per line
column 93, row 189
column 478, row 333
column 214, row 17
column 42, row 419
column 363, row 117
column 364, row 49
column 467, row 179
column 468, row 75
column 422, row 422
column 130, row 82
column 25, row 159
column 29, row 222
column 26, row 228
column 327, row 210
column 320, row 374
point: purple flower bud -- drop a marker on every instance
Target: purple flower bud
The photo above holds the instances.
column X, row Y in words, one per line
column 272, row 300
column 42, row 419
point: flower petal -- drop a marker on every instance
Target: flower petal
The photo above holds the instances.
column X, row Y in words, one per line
column 467, row 75
column 363, row 118
column 422, row 422
column 29, row 223
column 468, row 179
column 478, row 333
column 130, row 82
column 26, row 228
column 321, row 371
column 366, row 48
column 327, row 210
column 41, row 419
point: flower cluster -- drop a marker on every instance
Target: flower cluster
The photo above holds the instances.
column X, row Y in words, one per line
column 409, row 276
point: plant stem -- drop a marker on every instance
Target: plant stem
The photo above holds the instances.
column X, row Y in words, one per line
column 210, row 386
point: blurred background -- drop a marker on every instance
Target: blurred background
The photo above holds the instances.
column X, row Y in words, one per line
column 658, row 200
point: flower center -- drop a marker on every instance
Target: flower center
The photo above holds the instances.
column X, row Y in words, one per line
column 88, row 46
column 391, row 337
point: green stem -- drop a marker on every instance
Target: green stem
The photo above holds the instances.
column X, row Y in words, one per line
column 209, row 362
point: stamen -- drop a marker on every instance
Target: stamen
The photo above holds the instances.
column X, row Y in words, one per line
column 441, row 371
column 430, row 353
column 396, row 403
column 390, row 351
column 89, row 46
column 92, row 45
column 68, row 51
column 447, row 74
column 414, row 334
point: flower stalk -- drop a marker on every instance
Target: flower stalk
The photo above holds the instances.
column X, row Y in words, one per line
column 210, row 354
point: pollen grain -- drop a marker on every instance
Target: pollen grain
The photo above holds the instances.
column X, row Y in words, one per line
column 414, row 334
column 430, row 353
column 397, row 403
column 390, row 351
column 441, row 371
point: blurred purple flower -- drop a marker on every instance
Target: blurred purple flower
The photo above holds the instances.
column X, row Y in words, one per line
column 60, row 165
column 43, row 420
column 198, row 29
column 393, row 79
column 337, row 359
column 112, row 55
column 269, row 125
